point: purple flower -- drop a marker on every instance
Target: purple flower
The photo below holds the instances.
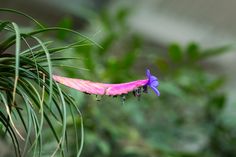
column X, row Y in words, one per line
column 152, row 82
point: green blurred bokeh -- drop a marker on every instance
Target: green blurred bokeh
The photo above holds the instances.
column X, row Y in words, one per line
column 186, row 120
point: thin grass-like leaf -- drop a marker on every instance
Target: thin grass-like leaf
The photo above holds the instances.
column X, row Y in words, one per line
column 4, row 24
column 29, row 123
column 75, row 127
column 61, row 143
column 53, row 51
column 33, row 57
column 17, row 58
column 71, row 101
column 30, row 49
column 67, row 66
column 21, row 13
column 215, row 51
column 12, row 134
column 49, row 66
column 82, row 131
column 26, row 84
column 10, row 118
column 11, row 40
column 47, row 119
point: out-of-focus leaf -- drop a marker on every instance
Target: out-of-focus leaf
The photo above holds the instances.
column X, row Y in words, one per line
column 193, row 51
column 215, row 105
column 175, row 53
column 1, row 128
column 106, row 21
column 170, row 88
column 215, row 51
column 218, row 101
column 224, row 139
column 86, row 51
column 162, row 64
column 106, row 43
column 66, row 22
column 217, row 83
column 122, row 15
column 129, row 59
column 104, row 147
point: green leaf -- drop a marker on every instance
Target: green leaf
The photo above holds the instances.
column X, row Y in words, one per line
column 215, row 51
column 215, row 106
column 49, row 66
column 162, row 64
column 171, row 88
column 17, row 58
column 193, row 52
column 11, row 40
column 21, row 13
column 129, row 59
column 122, row 15
column 216, row 84
column 175, row 53
column 3, row 25
column 107, row 43
column 9, row 128
column 66, row 22
column 24, row 81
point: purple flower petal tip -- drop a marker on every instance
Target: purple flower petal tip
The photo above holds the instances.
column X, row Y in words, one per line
column 152, row 82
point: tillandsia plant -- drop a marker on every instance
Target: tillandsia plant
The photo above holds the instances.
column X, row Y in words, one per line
column 29, row 97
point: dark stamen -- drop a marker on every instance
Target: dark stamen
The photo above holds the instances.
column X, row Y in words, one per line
column 134, row 93
column 138, row 93
column 98, row 98
column 86, row 93
column 145, row 89
column 123, row 98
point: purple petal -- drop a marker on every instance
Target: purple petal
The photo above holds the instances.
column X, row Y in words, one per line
column 152, row 78
column 156, row 91
column 148, row 73
column 154, row 83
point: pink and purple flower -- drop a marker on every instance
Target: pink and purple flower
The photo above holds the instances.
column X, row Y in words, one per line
column 110, row 89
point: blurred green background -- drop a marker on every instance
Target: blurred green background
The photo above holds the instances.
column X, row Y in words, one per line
column 188, row 45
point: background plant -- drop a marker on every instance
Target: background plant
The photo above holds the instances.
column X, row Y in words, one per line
column 185, row 121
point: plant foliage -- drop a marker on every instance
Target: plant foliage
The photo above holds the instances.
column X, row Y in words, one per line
column 30, row 100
